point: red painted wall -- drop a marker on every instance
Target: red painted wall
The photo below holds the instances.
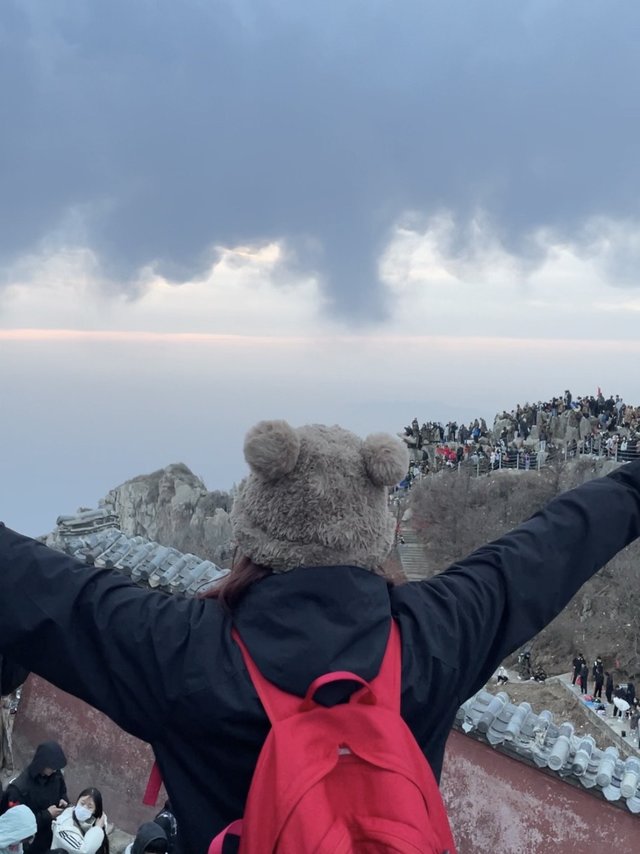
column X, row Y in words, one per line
column 500, row 804
column 495, row 803
column 98, row 752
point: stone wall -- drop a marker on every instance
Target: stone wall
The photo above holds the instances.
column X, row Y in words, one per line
column 98, row 752
column 495, row 803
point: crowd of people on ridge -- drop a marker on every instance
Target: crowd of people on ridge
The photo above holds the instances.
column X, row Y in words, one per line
column 36, row 815
column 527, row 435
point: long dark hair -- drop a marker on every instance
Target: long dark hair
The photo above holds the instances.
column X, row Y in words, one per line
column 244, row 573
column 96, row 794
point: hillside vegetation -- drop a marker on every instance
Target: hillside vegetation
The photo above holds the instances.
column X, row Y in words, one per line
column 455, row 513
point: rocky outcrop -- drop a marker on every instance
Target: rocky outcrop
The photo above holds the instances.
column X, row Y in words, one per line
column 173, row 507
column 563, row 429
column 501, row 424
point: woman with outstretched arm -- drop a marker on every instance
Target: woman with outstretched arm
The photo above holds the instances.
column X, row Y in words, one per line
column 309, row 596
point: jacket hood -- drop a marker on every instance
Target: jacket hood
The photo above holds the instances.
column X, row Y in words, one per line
column 49, row 754
column 147, row 833
column 313, row 620
column 16, row 824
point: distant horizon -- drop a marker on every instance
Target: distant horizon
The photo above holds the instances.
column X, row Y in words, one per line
column 34, row 523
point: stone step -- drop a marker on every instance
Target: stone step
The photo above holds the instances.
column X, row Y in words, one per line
column 412, row 557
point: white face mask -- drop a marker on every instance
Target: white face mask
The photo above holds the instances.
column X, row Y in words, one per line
column 82, row 813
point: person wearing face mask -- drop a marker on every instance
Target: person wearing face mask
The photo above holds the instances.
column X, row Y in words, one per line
column 42, row 788
column 18, row 825
column 82, row 828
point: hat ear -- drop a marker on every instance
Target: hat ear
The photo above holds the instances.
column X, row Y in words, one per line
column 385, row 458
column 272, row 448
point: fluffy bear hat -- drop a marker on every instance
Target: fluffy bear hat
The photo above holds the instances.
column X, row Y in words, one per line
column 316, row 496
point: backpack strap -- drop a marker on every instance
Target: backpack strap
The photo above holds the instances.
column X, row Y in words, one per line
column 152, row 790
column 385, row 687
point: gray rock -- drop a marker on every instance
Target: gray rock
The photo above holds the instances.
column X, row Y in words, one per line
column 586, row 427
column 499, row 424
column 571, row 434
column 173, row 507
column 557, row 427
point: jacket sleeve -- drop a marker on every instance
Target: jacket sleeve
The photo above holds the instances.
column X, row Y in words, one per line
column 68, row 837
column 14, row 796
column 92, row 840
column 93, row 633
column 64, row 796
column 486, row 606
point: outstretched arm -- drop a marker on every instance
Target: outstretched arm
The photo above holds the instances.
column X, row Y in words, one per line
column 92, row 632
column 503, row 594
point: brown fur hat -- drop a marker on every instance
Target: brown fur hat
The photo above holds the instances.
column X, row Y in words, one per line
column 316, row 496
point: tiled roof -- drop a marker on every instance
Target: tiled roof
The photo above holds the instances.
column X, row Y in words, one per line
column 93, row 537
column 535, row 737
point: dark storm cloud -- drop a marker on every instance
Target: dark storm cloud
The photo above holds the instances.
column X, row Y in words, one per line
column 164, row 127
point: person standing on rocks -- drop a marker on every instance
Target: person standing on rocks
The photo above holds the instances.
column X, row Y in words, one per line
column 578, row 661
column 584, row 677
column 608, row 687
column 598, row 677
column 308, row 595
column 631, row 693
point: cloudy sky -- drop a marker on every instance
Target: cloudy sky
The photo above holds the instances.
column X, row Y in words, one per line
column 340, row 211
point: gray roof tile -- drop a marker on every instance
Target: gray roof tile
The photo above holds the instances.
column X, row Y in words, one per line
column 93, row 536
column 536, row 737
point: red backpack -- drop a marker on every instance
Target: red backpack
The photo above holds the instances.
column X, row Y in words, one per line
column 349, row 778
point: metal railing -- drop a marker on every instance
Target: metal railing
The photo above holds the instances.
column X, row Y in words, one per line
column 529, row 460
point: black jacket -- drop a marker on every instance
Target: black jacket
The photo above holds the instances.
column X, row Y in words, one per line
column 38, row 792
column 166, row 670
column 147, row 833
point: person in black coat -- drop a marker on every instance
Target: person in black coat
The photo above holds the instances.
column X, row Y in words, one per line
column 620, row 693
column 584, row 678
column 42, row 788
column 308, row 595
column 598, row 677
column 577, row 667
column 608, row 687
